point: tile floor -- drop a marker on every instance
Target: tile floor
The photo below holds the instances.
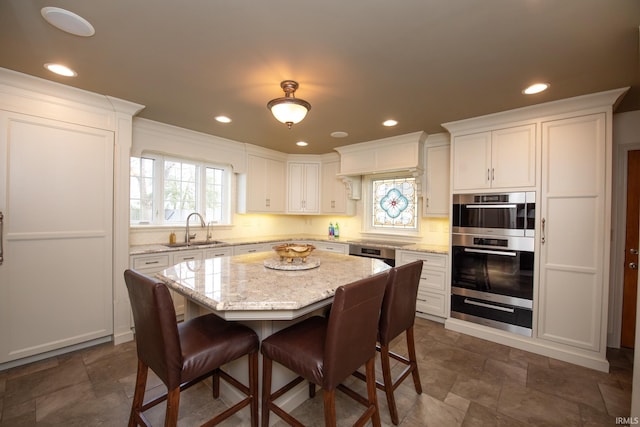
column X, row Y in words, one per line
column 466, row 382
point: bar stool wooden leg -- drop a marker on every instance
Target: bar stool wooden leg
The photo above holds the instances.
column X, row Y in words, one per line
column 414, row 361
column 371, row 391
column 138, row 395
column 388, row 383
column 173, row 405
column 329, row 407
column 266, row 390
column 253, row 387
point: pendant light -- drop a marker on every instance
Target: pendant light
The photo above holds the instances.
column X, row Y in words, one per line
column 289, row 109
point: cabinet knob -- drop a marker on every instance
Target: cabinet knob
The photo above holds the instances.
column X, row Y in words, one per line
column 633, row 265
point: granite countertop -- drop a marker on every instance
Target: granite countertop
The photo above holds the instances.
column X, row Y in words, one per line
column 418, row 247
column 243, row 283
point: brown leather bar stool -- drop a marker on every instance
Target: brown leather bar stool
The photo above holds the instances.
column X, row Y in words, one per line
column 397, row 316
column 186, row 353
column 325, row 351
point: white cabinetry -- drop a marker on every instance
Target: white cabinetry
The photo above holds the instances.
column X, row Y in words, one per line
column 497, row 159
column 573, row 216
column 333, row 197
column 303, row 188
column 436, row 188
column 262, row 190
column 574, row 231
column 57, row 149
column 433, row 293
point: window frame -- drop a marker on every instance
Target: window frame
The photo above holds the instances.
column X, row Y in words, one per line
column 368, row 197
column 158, row 215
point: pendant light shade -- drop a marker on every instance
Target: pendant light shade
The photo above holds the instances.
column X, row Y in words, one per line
column 289, row 109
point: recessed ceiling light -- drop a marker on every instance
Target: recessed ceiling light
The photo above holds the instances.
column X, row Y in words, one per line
column 60, row 69
column 223, row 119
column 68, row 21
column 301, row 144
column 536, row 88
column 389, row 123
column 339, row 134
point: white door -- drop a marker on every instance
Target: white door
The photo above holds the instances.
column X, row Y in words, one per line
column 56, row 194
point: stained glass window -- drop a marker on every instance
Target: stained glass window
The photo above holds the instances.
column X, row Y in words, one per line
column 395, row 203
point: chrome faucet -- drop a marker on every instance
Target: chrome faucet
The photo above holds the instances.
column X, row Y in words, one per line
column 187, row 237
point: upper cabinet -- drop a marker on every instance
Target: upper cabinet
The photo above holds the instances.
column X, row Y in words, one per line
column 502, row 158
column 303, row 189
column 261, row 190
column 334, row 199
column 436, row 176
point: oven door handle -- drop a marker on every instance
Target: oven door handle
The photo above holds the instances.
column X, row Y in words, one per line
column 494, row 307
column 491, row 206
column 485, row 251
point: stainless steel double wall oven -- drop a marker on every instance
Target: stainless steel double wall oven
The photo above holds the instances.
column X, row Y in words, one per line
column 493, row 259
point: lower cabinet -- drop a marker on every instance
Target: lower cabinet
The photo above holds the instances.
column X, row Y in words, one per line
column 433, row 291
column 253, row 248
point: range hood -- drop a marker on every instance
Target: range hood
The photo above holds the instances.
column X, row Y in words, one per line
column 401, row 153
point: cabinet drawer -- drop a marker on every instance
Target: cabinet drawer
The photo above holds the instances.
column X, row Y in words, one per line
column 156, row 262
column 433, row 280
column 213, row 253
column 187, row 256
column 338, row 248
column 429, row 260
column 431, row 303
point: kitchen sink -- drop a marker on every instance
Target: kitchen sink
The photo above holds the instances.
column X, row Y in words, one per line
column 193, row 243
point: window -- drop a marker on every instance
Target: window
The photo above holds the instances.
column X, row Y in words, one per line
column 392, row 205
column 166, row 190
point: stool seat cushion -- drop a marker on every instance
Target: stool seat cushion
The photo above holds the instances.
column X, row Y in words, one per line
column 300, row 348
column 208, row 342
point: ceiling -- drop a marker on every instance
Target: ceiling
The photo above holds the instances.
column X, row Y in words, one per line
column 358, row 62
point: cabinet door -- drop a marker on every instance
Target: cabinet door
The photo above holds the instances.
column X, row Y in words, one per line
column 334, row 193
column 56, row 194
column 436, row 200
column 513, row 157
column 257, row 186
column 472, row 161
column 573, row 232
column 265, row 185
column 303, row 188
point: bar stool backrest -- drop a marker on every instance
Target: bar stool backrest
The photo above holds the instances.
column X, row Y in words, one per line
column 399, row 305
column 352, row 329
column 154, row 317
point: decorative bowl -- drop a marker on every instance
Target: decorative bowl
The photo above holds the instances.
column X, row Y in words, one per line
column 291, row 251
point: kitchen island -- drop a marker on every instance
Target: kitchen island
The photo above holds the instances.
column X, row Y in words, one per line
column 242, row 288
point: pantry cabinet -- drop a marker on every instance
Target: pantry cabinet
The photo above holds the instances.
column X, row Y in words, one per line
column 433, row 291
column 496, row 159
column 303, row 189
column 59, row 151
column 574, row 235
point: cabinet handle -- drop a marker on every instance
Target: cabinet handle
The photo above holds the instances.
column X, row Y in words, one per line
column 268, row 202
column 1, row 238
column 543, row 239
column 488, row 174
column 187, row 258
column 151, row 262
column 251, row 251
column 493, row 174
column 333, row 204
column 494, row 307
